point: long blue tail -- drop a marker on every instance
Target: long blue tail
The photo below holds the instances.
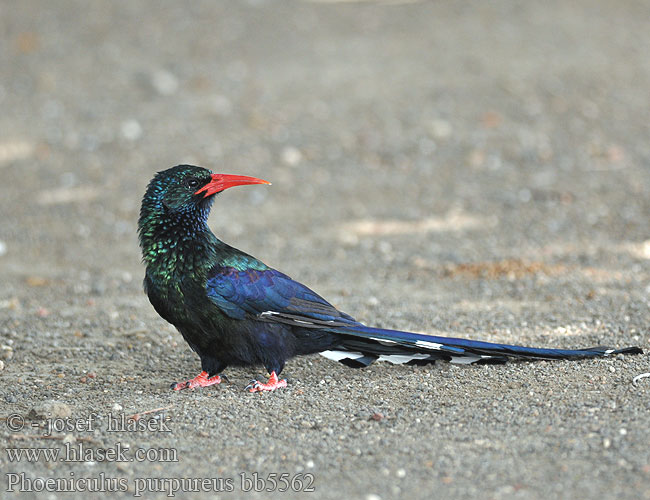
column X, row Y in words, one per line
column 361, row 345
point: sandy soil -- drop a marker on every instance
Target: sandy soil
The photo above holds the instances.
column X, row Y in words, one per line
column 464, row 169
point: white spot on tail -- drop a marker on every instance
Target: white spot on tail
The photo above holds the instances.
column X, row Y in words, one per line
column 339, row 355
column 428, row 345
column 383, row 341
column 398, row 359
column 468, row 359
column 465, row 360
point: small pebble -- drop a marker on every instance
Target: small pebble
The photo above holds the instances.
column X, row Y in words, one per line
column 131, row 130
column 164, row 82
column 52, row 409
column 291, row 156
column 440, row 129
column 221, row 105
column 372, row 301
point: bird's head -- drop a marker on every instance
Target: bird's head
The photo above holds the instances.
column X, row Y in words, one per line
column 186, row 187
column 182, row 196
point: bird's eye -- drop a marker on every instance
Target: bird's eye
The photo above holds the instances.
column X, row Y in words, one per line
column 192, row 183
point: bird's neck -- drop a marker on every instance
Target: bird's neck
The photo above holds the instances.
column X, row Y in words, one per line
column 177, row 244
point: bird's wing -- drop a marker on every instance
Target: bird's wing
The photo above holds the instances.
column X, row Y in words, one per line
column 271, row 296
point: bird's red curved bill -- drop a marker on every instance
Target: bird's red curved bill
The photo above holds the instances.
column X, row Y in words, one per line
column 221, row 182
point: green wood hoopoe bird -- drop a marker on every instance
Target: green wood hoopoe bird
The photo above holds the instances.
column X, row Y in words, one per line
column 232, row 309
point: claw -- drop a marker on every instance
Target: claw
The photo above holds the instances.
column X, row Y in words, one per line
column 201, row 380
column 252, row 385
column 271, row 385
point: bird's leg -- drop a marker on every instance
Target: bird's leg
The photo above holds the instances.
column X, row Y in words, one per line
column 273, row 384
column 201, row 380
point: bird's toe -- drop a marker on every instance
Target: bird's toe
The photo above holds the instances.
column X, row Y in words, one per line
column 201, row 380
column 252, row 386
column 273, row 384
column 179, row 386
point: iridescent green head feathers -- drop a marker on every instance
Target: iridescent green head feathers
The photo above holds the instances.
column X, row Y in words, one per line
column 174, row 190
column 171, row 210
column 176, row 206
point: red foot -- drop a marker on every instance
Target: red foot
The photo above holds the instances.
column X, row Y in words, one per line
column 201, row 380
column 271, row 385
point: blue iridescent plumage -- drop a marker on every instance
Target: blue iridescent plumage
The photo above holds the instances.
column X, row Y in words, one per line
column 254, row 292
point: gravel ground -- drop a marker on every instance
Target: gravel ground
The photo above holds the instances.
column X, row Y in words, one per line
column 461, row 168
